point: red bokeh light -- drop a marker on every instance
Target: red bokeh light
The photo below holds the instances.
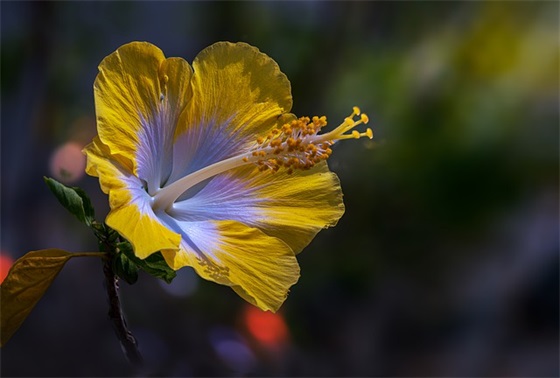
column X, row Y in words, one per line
column 5, row 265
column 266, row 327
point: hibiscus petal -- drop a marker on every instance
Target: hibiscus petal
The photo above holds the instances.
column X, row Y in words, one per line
column 293, row 208
column 238, row 93
column 139, row 96
column 260, row 268
column 131, row 214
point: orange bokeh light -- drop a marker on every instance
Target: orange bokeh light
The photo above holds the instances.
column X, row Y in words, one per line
column 5, row 265
column 266, row 327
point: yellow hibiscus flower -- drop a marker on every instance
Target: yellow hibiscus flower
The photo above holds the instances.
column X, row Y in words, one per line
column 206, row 165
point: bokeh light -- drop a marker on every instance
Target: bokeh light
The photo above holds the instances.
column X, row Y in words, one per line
column 67, row 163
column 5, row 264
column 267, row 328
column 232, row 350
column 183, row 285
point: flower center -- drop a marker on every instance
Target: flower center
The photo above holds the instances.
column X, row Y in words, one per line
column 296, row 145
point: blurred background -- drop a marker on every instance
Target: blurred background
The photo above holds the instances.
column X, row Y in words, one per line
column 446, row 262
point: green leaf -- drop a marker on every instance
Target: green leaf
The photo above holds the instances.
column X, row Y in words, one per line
column 154, row 264
column 89, row 211
column 25, row 284
column 125, row 268
column 74, row 199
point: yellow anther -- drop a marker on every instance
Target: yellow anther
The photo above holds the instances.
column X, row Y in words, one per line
column 298, row 144
column 165, row 79
column 275, row 142
column 287, row 129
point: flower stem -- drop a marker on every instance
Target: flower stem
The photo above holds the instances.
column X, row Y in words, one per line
column 127, row 340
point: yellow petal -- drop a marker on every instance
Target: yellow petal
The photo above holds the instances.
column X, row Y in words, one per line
column 99, row 157
column 260, row 268
column 293, row 208
column 138, row 91
column 296, row 207
column 131, row 214
column 237, row 90
column 137, row 223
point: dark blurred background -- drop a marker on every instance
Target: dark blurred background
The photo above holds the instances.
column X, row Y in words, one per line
column 446, row 262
